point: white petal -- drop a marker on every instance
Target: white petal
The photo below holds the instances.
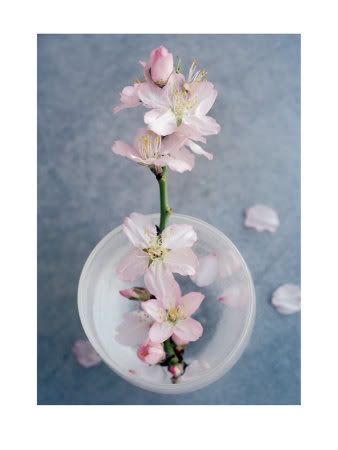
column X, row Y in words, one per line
column 161, row 121
column 180, row 161
column 286, row 299
column 161, row 283
column 199, row 150
column 207, row 270
column 178, row 236
column 132, row 265
column 134, row 328
column 84, row 353
column 182, row 261
column 154, row 309
column 261, row 217
column 152, row 96
column 206, row 94
column 231, row 296
column 228, row 263
column 139, row 229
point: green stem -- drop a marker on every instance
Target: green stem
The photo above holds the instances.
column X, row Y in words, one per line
column 165, row 208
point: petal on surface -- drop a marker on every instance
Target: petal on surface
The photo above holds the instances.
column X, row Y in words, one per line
column 262, row 218
column 159, row 332
column 188, row 329
column 178, row 236
column 154, row 309
column 199, row 150
column 132, row 265
column 161, row 122
column 286, row 299
column 161, row 283
column 85, row 354
column 182, row 261
column 206, row 95
column 190, row 303
column 207, row 270
column 139, row 229
column 134, row 328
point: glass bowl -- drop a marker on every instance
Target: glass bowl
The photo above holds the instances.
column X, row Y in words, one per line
column 227, row 313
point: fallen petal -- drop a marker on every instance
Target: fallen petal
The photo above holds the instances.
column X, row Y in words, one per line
column 84, row 353
column 207, row 270
column 261, row 217
column 286, row 299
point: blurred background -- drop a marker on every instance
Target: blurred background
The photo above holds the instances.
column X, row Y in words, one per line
column 84, row 191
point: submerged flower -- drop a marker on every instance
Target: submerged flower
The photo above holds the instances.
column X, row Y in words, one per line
column 151, row 352
column 129, row 98
column 170, row 251
column 180, row 104
column 151, row 150
column 171, row 311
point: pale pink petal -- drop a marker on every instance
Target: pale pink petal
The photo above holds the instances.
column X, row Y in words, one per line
column 206, row 94
column 207, row 270
column 286, row 299
column 180, row 160
column 134, row 328
column 178, row 341
column 173, row 143
column 198, row 149
column 161, row 121
column 152, row 96
column 203, row 126
column 139, row 229
column 123, row 149
column 195, row 369
column 229, row 263
column 182, row 261
column 188, row 329
column 159, row 332
column 261, row 217
column 129, row 98
column 178, row 236
column 190, row 303
column 84, row 353
column 132, row 265
column 154, row 309
column 162, row 284
column 231, row 296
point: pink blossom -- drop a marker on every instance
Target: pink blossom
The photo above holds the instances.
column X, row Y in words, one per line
column 84, row 353
column 160, row 65
column 176, row 370
column 149, row 149
column 151, row 352
column 129, row 98
column 170, row 310
column 180, row 106
column 169, row 252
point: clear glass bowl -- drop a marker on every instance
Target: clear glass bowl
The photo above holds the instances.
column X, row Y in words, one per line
column 227, row 325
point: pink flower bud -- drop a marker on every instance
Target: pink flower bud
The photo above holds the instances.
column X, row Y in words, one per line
column 161, row 65
column 136, row 293
column 176, row 370
column 151, row 353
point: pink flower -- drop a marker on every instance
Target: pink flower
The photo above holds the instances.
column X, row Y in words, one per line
column 170, row 311
column 161, row 65
column 129, row 98
column 169, row 252
column 180, row 106
column 151, row 353
column 149, row 149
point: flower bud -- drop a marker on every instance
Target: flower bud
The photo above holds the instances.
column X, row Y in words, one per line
column 151, row 353
column 176, row 370
column 161, row 65
column 136, row 293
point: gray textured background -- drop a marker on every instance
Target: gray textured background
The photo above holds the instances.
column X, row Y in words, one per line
column 84, row 191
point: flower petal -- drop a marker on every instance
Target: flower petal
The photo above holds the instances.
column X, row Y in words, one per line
column 178, row 236
column 134, row 328
column 129, row 98
column 261, row 217
column 161, row 121
column 203, row 126
column 182, row 261
column 152, row 96
column 286, row 299
column 188, row 329
column 139, row 229
column 199, row 150
column 154, row 309
column 180, row 161
column 132, row 265
column 190, row 303
column 206, row 94
column 124, row 149
column 161, row 283
column 85, row 354
column 159, row 332
column 207, row 270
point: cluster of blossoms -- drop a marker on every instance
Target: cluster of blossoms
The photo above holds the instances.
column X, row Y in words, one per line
column 177, row 119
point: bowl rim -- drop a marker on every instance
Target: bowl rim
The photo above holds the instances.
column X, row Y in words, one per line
column 208, row 376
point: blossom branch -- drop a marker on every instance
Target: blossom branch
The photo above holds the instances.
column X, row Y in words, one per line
column 165, row 208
